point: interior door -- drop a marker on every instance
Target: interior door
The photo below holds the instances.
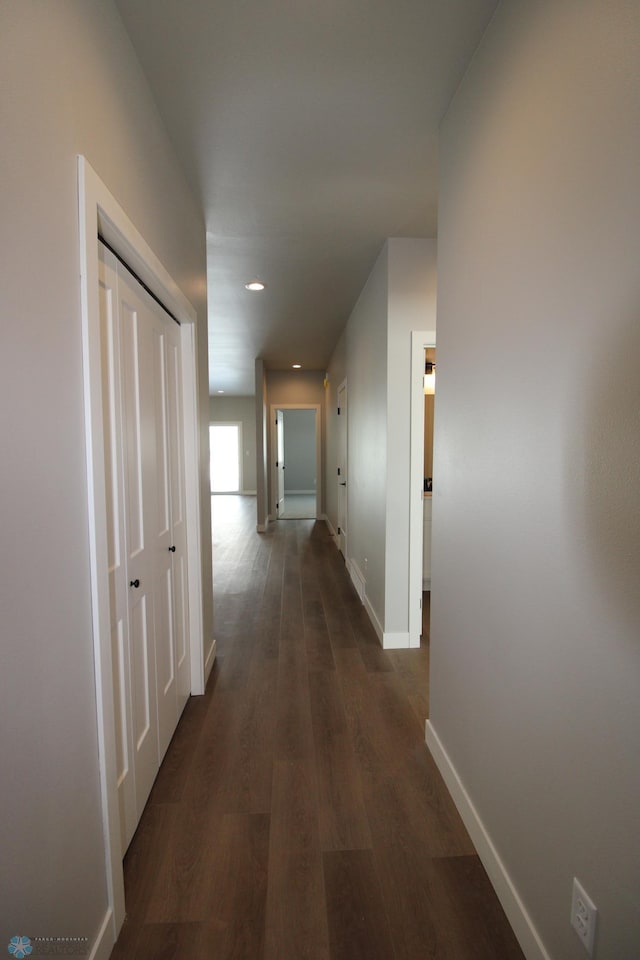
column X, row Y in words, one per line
column 178, row 547
column 147, row 540
column 136, row 340
column 116, row 539
column 342, row 471
column 162, row 541
column 279, row 462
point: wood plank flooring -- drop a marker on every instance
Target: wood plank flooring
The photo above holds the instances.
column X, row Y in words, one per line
column 298, row 813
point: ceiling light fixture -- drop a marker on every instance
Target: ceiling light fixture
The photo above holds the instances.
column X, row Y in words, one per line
column 296, row 366
column 254, row 285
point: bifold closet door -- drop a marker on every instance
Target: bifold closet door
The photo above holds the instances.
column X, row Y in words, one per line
column 169, row 533
column 175, row 422
column 147, row 539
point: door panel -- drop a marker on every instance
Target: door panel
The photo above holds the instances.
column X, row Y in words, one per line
column 147, row 540
column 279, row 461
column 141, row 502
column 342, row 470
column 118, row 586
column 162, row 542
column 178, row 516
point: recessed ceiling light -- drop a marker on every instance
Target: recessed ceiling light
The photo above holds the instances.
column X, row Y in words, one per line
column 254, row 285
column 220, row 391
column 296, row 366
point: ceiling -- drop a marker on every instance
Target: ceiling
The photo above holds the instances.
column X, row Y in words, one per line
column 308, row 131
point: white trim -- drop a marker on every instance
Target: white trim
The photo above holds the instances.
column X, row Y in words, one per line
column 103, row 944
column 192, row 506
column 334, row 535
column 209, row 659
column 419, row 340
column 357, row 578
column 517, row 915
column 395, row 641
column 377, row 626
column 343, row 386
column 100, row 212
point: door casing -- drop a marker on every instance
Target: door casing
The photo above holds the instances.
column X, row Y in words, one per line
column 274, row 446
column 99, row 212
column 420, row 339
column 343, row 467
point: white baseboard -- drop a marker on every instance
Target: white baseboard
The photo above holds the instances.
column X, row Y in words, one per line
column 300, row 493
column 377, row 626
column 396, row 641
column 261, row 527
column 356, row 578
column 105, row 941
column 334, row 535
column 516, row 912
column 209, row 660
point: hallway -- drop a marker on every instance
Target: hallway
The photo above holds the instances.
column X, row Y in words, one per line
column 298, row 813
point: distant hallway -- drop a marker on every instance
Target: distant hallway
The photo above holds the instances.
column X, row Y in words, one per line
column 298, row 813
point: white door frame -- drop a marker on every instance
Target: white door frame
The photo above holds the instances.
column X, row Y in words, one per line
column 272, row 434
column 343, row 442
column 100, row 212
column 420, row 339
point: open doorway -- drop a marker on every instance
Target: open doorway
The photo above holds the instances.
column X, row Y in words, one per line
column 423, row 367
column 296, row 461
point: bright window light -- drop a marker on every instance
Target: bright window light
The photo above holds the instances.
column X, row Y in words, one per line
column 224, row 447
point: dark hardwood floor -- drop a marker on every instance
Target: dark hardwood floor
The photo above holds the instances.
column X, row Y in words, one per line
column 298, row 813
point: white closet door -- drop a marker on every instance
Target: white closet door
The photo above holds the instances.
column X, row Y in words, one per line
column 116, row 541
column 163, row 544
column 136, row 332
column 178, row 516
column 142, row 403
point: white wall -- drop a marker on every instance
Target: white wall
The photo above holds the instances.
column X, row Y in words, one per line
column 374, row 354
column 412, row 306
column 299, row 451
column 535, row 649
column 241, row 410
column 366, row 348
column 70, row 84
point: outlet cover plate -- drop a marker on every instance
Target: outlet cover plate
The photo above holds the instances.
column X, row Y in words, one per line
column 583, row 916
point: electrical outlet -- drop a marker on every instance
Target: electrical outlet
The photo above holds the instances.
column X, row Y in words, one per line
column 583, row 916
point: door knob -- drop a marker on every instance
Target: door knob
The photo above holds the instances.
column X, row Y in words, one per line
column 343, row 483
column 134, row 583
column 172, row 549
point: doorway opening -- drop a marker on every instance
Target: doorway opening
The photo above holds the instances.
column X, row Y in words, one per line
column 225, row 462
column 295, row 476
column 423, row 344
